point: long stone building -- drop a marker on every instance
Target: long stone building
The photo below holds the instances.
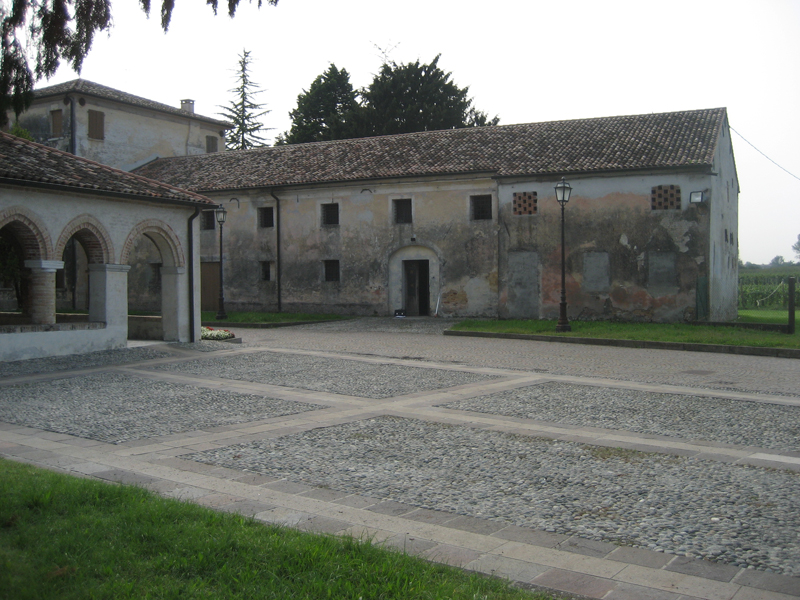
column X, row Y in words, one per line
column 465, row 222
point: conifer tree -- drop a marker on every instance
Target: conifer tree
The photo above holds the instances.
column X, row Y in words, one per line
column 243, row 111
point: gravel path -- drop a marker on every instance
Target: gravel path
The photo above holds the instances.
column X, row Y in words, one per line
column 350, row 377
column 745, row 516
column 689, row 417
column 132, row 408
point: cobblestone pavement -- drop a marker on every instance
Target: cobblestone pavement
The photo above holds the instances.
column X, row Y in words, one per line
column 608, row 472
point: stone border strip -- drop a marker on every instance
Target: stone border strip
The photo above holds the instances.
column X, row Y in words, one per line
column 719, row 348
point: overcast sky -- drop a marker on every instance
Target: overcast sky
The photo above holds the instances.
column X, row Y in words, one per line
column 523, row 60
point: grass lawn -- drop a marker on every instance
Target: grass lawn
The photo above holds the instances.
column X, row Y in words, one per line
column 658, row 332
column 71, row 538
column 779, row 317
column 209, row 316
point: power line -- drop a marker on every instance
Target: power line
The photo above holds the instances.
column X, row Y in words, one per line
column 764, row 155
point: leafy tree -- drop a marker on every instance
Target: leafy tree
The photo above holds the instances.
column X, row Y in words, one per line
column 796, row 247
column 777, row 261
column 416, row 97
column 59, row 29
column 243, row 110
column 325, row 111
column 19, row 131
column 401, row 99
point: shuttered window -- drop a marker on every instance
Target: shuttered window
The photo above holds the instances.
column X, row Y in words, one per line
column 97, row 125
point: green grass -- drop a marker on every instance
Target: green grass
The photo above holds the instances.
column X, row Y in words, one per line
column 208, row 316
column 70, row 538
column 657, row 332
column 778, row 317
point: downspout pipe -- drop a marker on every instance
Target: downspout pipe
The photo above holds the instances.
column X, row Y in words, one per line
column 190, row 224
column 277, row 247
column 73, row 133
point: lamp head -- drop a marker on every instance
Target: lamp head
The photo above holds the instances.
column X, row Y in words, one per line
column 221, row 214
column 563, row 190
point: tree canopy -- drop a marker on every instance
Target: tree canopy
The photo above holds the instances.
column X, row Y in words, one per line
column 326, row 111
column 243, row 111
column 59, row 30
column 403, row 98
column 796, row 247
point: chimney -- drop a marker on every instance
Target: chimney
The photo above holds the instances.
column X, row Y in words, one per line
column 188, row 106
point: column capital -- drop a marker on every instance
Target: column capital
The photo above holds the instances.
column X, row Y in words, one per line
column 45, row 266
column 109, row 268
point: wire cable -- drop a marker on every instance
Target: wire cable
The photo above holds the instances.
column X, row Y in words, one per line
column 764, row 155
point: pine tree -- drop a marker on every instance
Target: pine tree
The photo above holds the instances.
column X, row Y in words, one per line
column 243, row 111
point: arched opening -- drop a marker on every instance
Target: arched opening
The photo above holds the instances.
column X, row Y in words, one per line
column 157, row 283
column 13, row 276
column 414, row 281
column 144, row 278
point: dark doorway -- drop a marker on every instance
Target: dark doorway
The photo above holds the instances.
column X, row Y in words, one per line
column 209, row 286
column 417, row 288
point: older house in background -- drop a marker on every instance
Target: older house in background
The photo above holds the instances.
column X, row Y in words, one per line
column 464, row 222
column 52, row 201
column 116, row 128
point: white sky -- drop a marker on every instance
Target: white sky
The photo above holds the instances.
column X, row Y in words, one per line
column 523, row 60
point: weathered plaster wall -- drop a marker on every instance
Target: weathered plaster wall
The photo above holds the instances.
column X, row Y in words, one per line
column 462, row 253
column 623, row 260
column 724, row 233
column 133, row 135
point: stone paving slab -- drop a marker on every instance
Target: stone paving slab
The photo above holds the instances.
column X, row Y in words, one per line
column 523, row 554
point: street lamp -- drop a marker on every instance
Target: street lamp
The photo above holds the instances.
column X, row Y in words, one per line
column 221, row 214
column 563, row 190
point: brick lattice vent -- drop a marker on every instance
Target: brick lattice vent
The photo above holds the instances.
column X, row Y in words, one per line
column 665, row 197
column 525, row 203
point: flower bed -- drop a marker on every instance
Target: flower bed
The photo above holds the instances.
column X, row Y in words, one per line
column 209, row 333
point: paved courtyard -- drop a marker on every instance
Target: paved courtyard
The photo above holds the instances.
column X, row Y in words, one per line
column 606, row 472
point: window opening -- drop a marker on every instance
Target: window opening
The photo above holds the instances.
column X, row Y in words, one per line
column 481, row 208
column 208, row 220
column 525, row 203
column 331, row 270
column 330, row 214
column 402, row 211
column 266, row 271
column 266, row 217
column 97, row 125
column 212, row 144
column 57, row 123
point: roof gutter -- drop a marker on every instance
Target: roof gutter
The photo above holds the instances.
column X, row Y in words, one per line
column 97, row 192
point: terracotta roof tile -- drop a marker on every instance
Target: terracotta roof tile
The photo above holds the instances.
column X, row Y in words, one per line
column 652, row 141
column 27, row 163
column 90, row 88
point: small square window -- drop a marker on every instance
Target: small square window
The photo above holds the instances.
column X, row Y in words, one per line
column 266, row 217
column 266, row 270
column 330, row 214
column 402, row 211
column 212, row 143
column 525, row 203
column 331, row 270
column 208, row 219
column 665, row 197
column 481, row 208
column 97, row 125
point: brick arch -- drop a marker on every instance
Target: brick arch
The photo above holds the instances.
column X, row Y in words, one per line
column 162, row 236
column 93, row 237
column 30, row 231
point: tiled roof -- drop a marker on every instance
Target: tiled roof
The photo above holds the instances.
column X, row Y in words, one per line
column 655, row 141
column 27, row 163
column 89, row 88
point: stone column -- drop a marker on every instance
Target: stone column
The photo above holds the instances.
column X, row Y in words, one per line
column 42, row 290
column 108, row 295
column 175, row 304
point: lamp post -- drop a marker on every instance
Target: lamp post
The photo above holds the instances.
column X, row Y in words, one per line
column 563, row 190
column 221, row 214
